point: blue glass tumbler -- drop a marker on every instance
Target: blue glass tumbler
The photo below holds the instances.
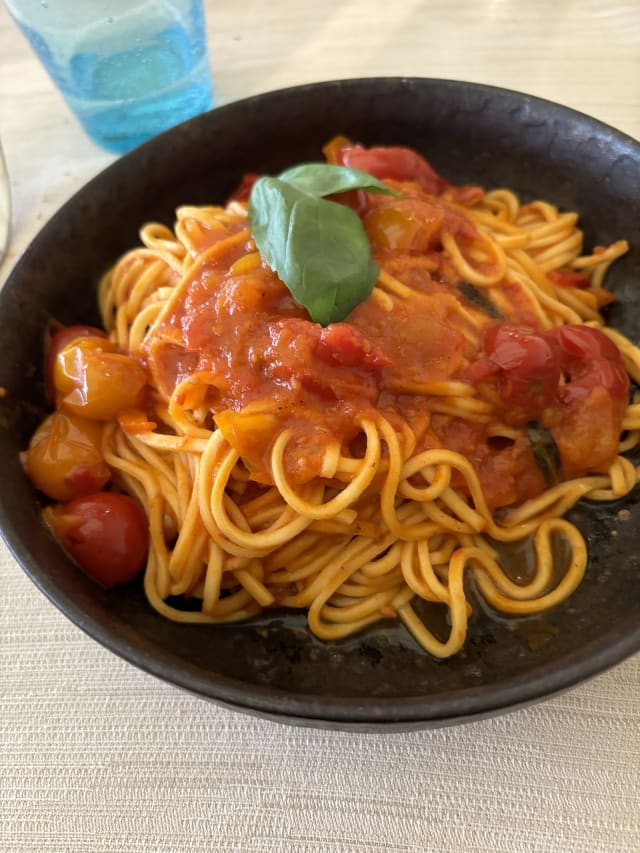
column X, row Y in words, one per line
column 127, row 68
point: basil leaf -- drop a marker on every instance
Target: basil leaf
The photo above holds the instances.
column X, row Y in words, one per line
column 475, row 295
column 318, row 248
column 321, row 179
column 545, row 452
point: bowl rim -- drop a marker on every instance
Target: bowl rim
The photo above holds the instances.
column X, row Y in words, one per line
column 378, row 713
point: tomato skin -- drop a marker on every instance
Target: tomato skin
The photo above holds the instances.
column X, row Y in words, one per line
column 64, row 459
column 95, row 381
column 106, row 534
column 58, row 340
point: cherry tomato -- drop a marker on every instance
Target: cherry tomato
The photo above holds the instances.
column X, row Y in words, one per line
column 396, row 163
column 526, row 364
column 403, row 224
column 57, row 341
column 583, row 344
column 64, row 459
column 96, row 382
column 401, row 164
column 585, row 411
column 106, row 534
column 591, row 359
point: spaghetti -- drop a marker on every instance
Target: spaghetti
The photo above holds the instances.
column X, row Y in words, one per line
column 360, row 469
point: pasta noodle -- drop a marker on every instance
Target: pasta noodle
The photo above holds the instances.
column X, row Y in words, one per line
column 264, row 489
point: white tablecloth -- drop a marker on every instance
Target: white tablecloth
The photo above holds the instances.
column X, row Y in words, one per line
column 97, row 756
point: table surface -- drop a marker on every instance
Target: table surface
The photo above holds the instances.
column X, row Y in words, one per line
column 96, row 755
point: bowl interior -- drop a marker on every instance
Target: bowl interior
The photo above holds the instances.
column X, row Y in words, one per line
column 273, row 666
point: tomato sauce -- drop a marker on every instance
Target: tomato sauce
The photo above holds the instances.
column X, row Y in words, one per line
column 267, row 367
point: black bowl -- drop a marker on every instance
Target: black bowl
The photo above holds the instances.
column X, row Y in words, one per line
column 273, row 666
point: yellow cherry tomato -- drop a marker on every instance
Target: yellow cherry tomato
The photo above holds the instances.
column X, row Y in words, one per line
column 403, row 224
column 95, row 381
column 64, row 459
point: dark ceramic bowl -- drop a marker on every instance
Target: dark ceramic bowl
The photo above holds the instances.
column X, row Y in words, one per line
column 273, row 666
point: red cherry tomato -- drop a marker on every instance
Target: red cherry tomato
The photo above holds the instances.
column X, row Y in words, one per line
column 58, row 341
column 583, row 343
column 527, row 366
column 591, row 360
column 400, row 164
column 106, row 534
column 394, row 162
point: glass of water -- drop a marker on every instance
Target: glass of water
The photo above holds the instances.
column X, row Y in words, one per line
column 127, row 68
